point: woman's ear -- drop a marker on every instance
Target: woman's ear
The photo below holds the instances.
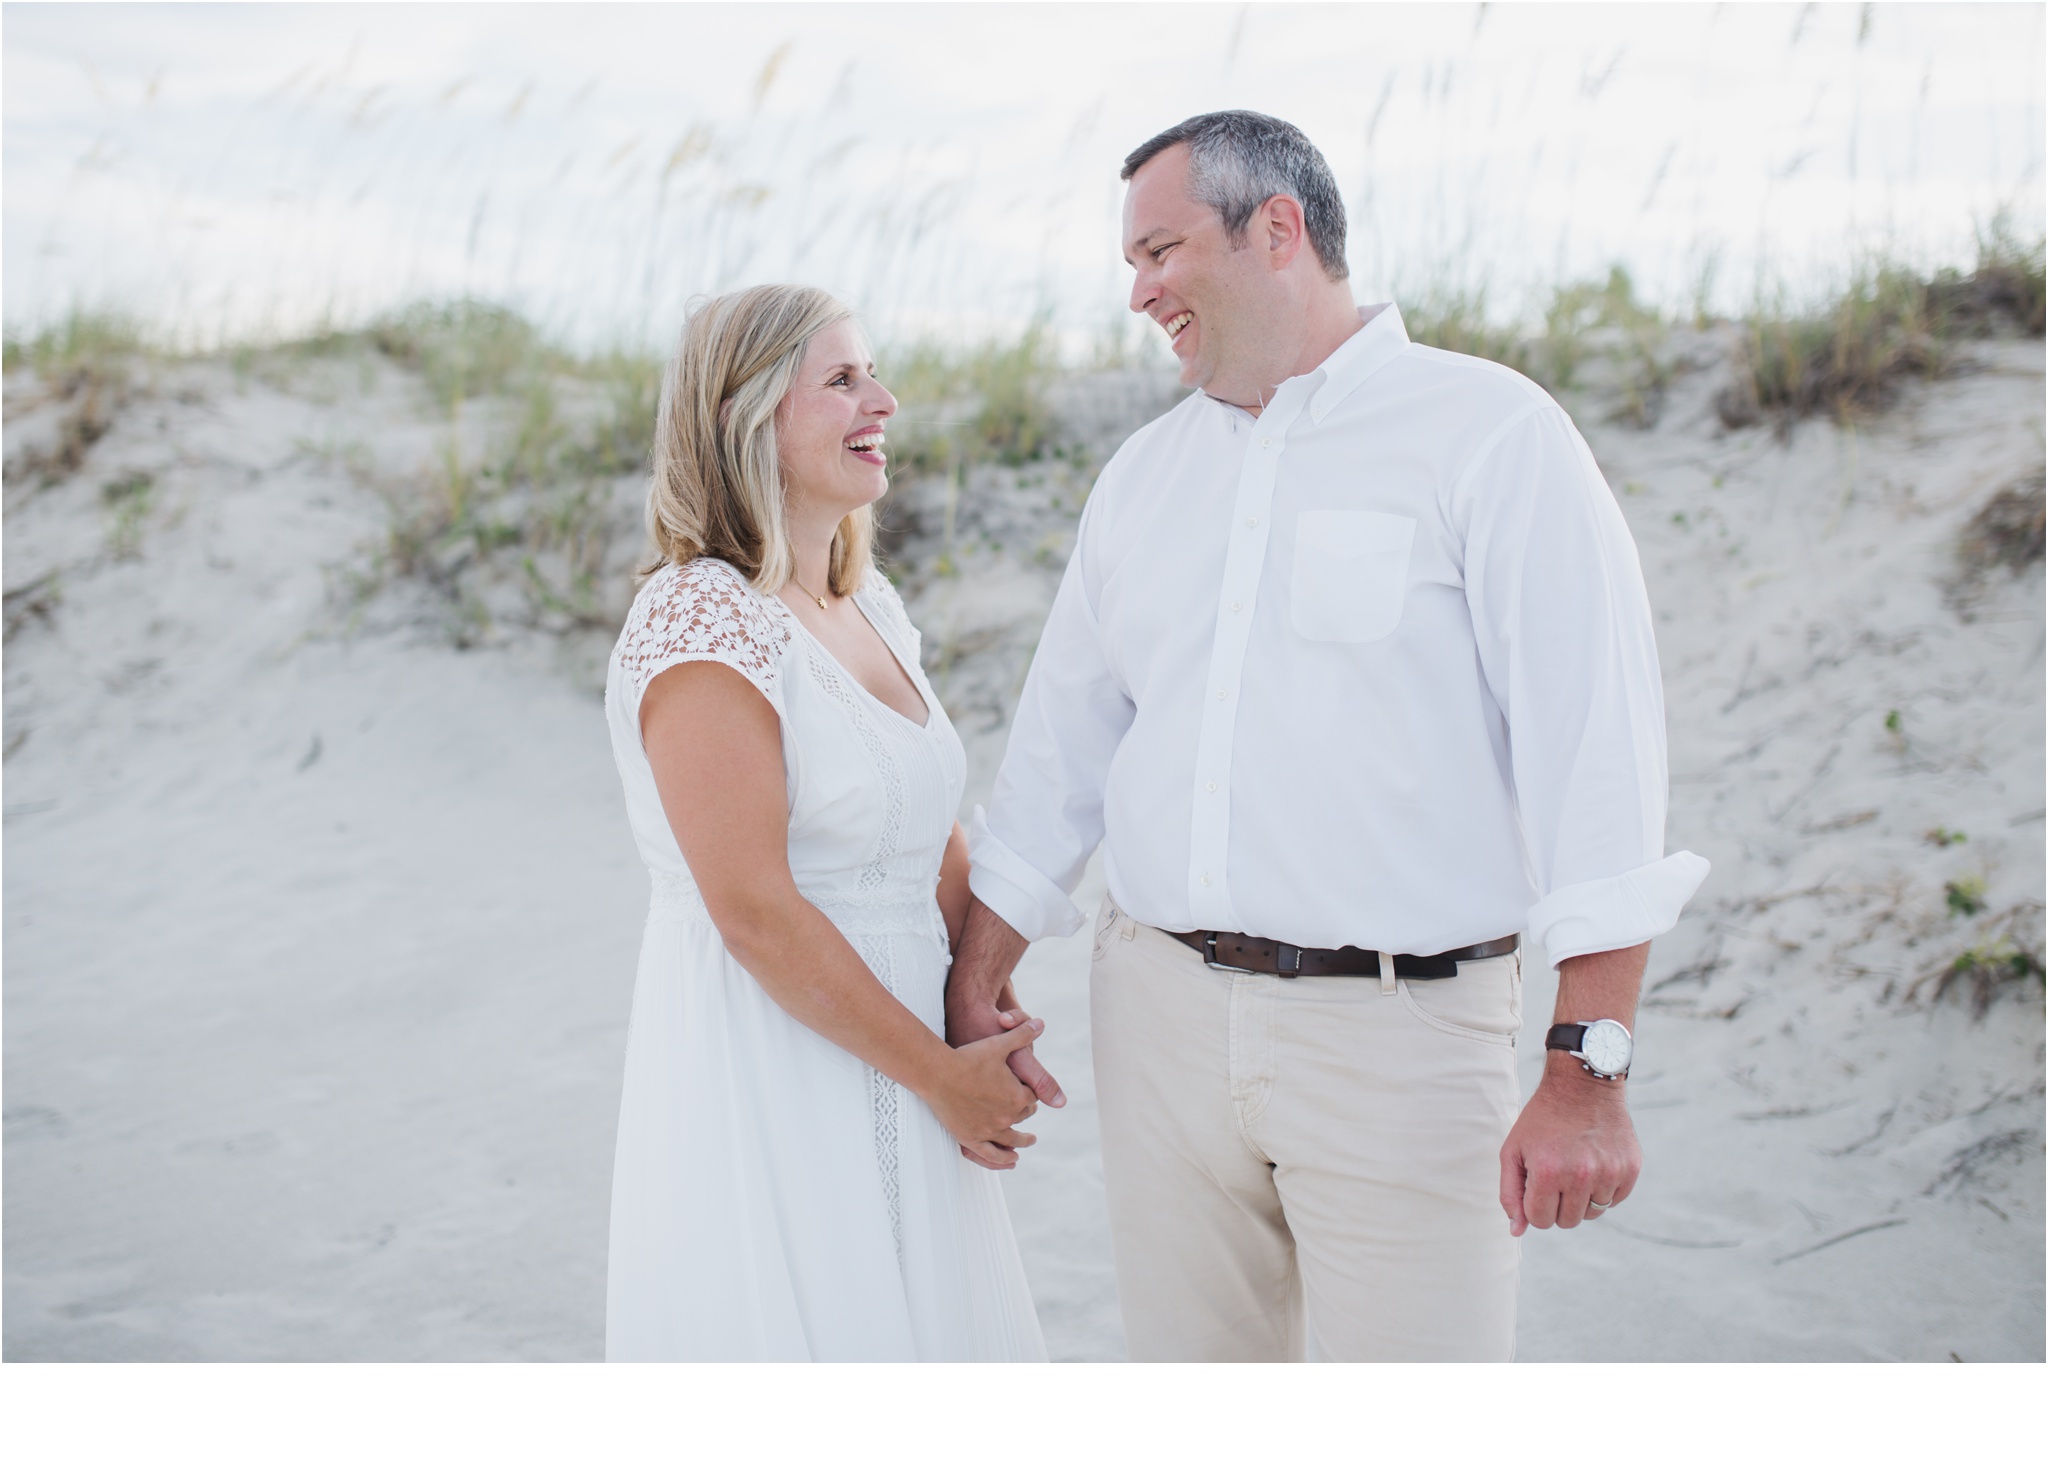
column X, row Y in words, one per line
column 725, row 413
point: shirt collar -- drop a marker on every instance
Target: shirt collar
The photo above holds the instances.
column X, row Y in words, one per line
column 1365, row 351
column 1381, row 338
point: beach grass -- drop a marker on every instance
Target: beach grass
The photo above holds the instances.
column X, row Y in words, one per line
column 541, row 448
column 961, row 407
column 107, row 343
column 2008, row 532
column 2004, row 956
column 88, row 361
column 1579, row 321
column 1890, row 323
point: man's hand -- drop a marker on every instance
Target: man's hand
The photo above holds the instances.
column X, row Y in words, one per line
column 1573, row 1153
column 978, row 994
column 979, row 1002
column 1572, row 1148
column 969, row 1021
column 1006, row 1019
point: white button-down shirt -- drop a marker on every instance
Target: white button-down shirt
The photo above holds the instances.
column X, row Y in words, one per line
column 1374, row 668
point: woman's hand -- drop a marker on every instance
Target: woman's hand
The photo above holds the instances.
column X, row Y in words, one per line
column 1007, row 1018
column 978, row 1099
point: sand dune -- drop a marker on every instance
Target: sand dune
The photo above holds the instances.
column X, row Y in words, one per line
column 319, row 932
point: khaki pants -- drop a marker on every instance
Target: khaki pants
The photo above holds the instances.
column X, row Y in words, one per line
column 1304, row 1167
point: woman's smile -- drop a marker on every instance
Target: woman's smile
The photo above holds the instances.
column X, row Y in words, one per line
column 866, row 445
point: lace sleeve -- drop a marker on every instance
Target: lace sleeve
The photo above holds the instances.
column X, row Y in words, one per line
column 702, row 611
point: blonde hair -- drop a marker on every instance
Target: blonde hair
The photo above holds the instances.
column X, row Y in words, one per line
column 717, row 487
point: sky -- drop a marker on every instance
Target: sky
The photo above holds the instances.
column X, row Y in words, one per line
column 234, row 171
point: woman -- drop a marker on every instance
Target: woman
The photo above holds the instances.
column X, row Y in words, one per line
column 791, row 1179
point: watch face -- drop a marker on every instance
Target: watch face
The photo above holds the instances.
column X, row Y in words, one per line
column 1607, row 1046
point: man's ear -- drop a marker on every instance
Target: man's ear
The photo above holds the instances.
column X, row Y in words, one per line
column 1286, row 229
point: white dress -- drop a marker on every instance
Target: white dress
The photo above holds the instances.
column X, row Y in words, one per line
column 773, row 1197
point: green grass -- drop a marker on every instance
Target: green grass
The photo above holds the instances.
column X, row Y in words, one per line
column 1457, row 318
column 88, row 362
column 2004, row 291
column 464, row 349
column 533, row 505
column 1987, row 968
column 519, row 492
column 2006, row 957
column 2009, row 532
column 1890, row 323
column 128, row 500
column 102, row 343
column 1607, row 316
column 539, row 439
column 1579, row 322
column 1846, row 358
column 958, row 408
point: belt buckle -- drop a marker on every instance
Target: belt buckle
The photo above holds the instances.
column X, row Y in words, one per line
column 1209, row 958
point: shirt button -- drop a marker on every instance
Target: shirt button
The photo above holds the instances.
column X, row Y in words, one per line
column 1205, row 877
column 1212, row 785
column 1220, row 696
column 1252, row 523
column 1265, row 442
column 1237, row 605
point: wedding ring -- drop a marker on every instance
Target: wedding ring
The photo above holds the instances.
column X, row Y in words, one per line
column 1593, row 1205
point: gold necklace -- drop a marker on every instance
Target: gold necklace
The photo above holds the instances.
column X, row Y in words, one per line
column 807, row 590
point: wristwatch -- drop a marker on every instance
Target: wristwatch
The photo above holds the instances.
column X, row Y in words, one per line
column 1603, row 1048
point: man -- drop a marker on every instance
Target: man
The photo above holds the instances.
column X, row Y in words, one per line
column 1352, row 674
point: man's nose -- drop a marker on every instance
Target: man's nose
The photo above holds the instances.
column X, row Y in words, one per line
column 1142, row 294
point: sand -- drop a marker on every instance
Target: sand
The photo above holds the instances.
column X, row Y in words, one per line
column 319, row 933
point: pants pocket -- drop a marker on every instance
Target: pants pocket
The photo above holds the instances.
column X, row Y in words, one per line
column 1482, row 1002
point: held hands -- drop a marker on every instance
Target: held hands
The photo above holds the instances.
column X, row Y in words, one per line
column 979, row 1099
column 1572, row 1154
column 969, row 1021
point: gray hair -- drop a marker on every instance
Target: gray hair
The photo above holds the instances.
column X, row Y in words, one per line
column 1238, row 160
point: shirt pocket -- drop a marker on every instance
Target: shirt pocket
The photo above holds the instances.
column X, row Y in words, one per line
column 1350, row 573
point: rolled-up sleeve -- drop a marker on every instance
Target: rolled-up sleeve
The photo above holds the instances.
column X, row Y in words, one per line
column 1566, row 644
column 1029, row 848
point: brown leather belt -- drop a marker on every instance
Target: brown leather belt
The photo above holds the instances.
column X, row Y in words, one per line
column 1231, row 952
